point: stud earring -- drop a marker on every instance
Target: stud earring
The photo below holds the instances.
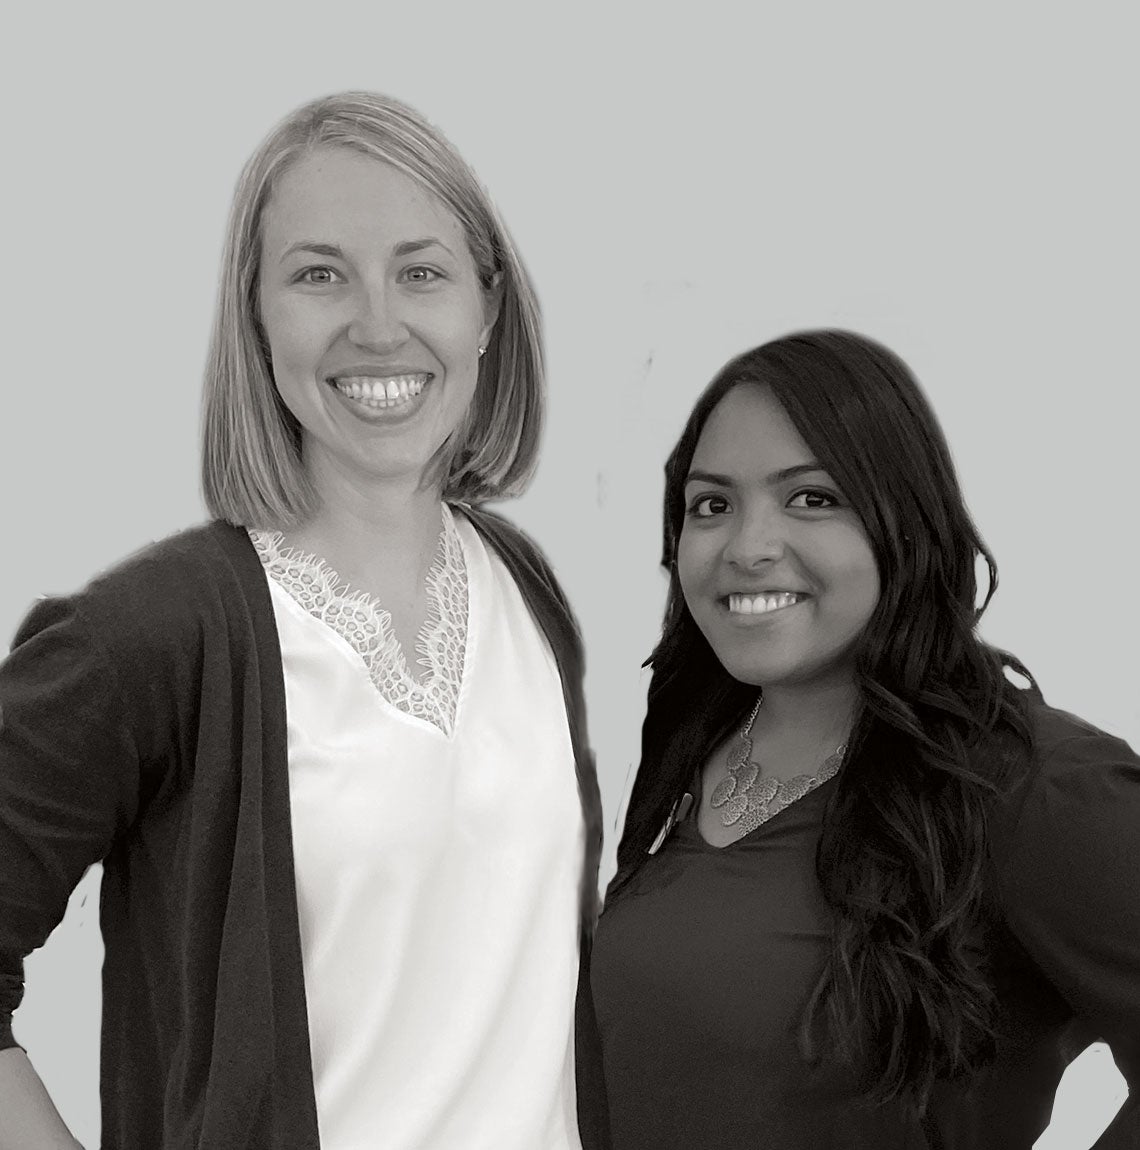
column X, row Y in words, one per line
column 482, row 352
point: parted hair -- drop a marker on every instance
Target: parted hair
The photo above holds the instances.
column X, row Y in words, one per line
column 251, row 443
column 904, row 994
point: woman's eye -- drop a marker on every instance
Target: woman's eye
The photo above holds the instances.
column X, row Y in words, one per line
column 813, row 500
column 706, row 506
column 319, row 276
column 421, row 275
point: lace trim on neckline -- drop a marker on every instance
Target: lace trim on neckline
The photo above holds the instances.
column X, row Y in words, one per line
column 367, row 627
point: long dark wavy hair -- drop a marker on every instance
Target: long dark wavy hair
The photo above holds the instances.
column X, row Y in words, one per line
column 903, row 995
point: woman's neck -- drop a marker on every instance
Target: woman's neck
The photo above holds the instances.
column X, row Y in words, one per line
column 374, row 530
column 806, row 718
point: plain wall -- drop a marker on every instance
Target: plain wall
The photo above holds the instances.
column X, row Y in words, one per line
column 960, row 185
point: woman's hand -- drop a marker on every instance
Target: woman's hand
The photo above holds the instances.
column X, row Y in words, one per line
column 28, row 1117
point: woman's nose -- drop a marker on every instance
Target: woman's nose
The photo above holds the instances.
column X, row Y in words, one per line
column 377, row 321
column 758, row 539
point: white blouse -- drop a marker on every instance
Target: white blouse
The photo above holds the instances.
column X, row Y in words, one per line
column 438, row 842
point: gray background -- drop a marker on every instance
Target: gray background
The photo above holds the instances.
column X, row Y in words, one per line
column 958, row 184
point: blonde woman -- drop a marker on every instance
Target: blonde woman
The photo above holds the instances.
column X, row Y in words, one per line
column 330, row 748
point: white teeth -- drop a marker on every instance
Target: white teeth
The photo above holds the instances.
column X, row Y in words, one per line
column 375, row 392
column 758, row 604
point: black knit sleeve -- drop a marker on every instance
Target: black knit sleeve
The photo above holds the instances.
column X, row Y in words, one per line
column 1069, row 879
column 68, row 779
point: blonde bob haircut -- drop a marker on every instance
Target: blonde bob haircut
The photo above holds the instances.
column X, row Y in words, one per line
column 251, row 443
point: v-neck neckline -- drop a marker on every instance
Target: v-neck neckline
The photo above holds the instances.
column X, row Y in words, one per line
column 691, row 830
column 359, row 620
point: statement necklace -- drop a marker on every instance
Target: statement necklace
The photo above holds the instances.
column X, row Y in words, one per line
column 749, row 800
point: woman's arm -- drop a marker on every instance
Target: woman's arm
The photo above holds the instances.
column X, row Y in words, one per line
column 1068, row 870
column 68, row 783
column 28, row 1120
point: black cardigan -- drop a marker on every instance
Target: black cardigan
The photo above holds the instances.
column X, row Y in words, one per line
column 142, row 723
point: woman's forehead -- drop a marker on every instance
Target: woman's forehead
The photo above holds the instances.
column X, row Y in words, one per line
column 749, row 433
column 340, row 195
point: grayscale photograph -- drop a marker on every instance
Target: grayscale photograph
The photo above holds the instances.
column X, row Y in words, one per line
column 569, row 578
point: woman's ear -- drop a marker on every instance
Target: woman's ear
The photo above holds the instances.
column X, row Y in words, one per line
column 492, row 302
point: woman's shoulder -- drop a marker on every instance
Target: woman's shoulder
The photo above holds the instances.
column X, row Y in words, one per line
column 536, row 580
column 1080, row 782
column 524, row 558
column 158, row 591
column 1066, row 745
column 198, row 552
column 500, row 531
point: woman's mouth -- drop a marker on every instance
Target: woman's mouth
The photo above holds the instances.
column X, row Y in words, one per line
column 381, row 392
column 763, row 603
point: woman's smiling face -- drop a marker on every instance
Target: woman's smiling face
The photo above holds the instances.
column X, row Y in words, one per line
column 776, row 568
column 373, row 312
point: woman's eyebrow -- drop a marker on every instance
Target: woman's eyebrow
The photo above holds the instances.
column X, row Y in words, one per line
column 404, row 248
column 315, row 247
column 697, row 476
column 784, row 474
column 407, row 247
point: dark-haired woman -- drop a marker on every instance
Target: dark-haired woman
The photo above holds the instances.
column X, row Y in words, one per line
column 870, row 893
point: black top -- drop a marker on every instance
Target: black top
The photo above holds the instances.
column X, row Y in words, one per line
column 142, row 722
column 702, row 969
